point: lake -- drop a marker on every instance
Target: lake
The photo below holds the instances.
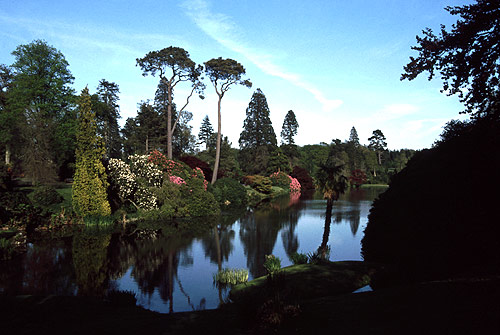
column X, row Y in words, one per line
column 175, row 274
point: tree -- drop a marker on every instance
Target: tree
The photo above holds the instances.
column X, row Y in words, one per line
column 9, row 121
column 467, row 57
column 332, row 179
column 377, row 143
column 257, row 127
column 353, row 137
column 184, row 141
column 223, row 73
column 173, row 66
column 90, row 181
column 107, row 115
column 41, row 97
column 206, row 131
column 289, row 128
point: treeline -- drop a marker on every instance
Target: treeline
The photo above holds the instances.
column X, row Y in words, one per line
column 38, row 122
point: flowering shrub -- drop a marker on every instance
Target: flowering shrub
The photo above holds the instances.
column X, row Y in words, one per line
column 120, row 175
column 156, row 183
column 283, row 180
column 294, row 185
column 170, row 167
column 177, row 180
column 142, row 167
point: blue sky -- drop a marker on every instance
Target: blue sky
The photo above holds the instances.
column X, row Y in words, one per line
column 335, row 63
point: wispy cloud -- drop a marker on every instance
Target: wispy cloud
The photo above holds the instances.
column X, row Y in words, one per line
column 221, row 28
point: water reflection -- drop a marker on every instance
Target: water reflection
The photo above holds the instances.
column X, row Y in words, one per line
column 173, row 273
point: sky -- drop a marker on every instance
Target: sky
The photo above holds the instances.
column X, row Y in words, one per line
column 335, row 63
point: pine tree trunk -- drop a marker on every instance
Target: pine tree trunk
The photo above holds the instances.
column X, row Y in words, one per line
column 169, row 123
column 217, row 150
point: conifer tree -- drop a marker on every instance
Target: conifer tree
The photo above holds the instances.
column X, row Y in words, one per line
column 206, row 131
column 90, row 180
column 353, row 137
column 289, row 128
column 257, row 127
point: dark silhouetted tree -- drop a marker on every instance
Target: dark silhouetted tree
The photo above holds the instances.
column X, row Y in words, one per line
column 467, row 57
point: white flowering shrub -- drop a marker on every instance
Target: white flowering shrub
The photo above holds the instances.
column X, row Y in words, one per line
column 143, row 168
column 121, row 176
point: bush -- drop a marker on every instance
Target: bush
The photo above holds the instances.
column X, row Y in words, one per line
column 272, row 264
column 297, row 258
column 259, row 183
column 194, row 162
column 44, row 196
column 280, row 179
column 229, row 192
column 305, row 180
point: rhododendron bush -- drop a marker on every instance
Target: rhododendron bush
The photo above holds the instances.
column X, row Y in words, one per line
column 153, row 182
column 283, row 180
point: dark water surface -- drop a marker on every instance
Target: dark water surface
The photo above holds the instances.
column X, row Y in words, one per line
column 175, row 274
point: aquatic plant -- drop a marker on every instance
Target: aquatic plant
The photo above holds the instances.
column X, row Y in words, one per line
column 299, row 258
column 229, row 277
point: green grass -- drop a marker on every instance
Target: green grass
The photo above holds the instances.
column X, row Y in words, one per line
column 374, row 185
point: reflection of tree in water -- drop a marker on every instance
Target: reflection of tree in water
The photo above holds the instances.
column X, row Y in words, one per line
column 218, row 243
column 90, row 261
column 154, row 259
column 259, row 230
column 45, row 268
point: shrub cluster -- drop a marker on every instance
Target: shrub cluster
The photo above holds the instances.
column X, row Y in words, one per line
column 44, row 196
column 259, row 183
column 230, row 193
column 305, row 180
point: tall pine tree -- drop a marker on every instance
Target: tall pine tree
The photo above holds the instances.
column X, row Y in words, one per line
column 90, row 180
column 257, row 127
column 257, row 140
column 289, row 128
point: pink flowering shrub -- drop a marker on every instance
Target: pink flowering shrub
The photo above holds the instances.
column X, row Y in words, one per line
column 177, row 180
column 294, row 185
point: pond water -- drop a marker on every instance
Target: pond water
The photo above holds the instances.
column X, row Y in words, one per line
column 175, row 274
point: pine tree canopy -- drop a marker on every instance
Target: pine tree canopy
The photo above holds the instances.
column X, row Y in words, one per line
column 257, row 127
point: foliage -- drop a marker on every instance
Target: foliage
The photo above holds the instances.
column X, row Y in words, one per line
column 467, row 57
column 332, row 177
column 230, row 193
column 278, row 161
column 230, row 277
column 206, row 131
column 194, row 162
column 303, row 177
column 272, row 264
column 257, row 127
column 434, row 207
column 173, row 66
column 280, row 179
column 40, row 98
column 107, row 111
column 357, row 178
column 298, row 258
column 259, row 183
column 90, row 180
column 223, row 73
column 46, row 196
column 353, row 137
column 378, row 143
column 289, row 128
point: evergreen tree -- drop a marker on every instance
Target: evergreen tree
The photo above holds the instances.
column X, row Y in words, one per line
column 107, row 115
column 206, row 131
column 289, row 128
column 257, row 127
column 173, row 66
column 353, row 137
column 223, row 73
column 184, row 142
column 378, row 143
column 90, row 180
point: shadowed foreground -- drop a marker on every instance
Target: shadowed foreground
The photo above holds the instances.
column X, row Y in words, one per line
column 461, row 306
